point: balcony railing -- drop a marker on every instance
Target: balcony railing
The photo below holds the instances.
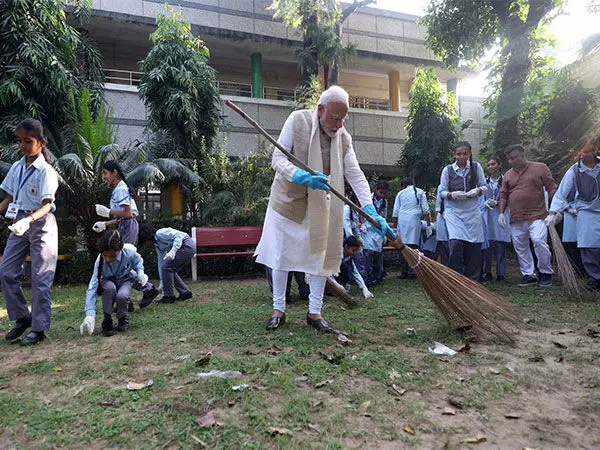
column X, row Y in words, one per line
column 131, row 78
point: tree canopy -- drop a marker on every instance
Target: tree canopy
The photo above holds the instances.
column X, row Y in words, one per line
column 432, row 130
column 179, row 87
column 463, row 30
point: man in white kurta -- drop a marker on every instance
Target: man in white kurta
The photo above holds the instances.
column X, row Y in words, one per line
column 303, row 228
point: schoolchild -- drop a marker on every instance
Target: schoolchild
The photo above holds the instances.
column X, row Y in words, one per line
column 497, row 237
column 410, row 206
column 461, row 184
column 348, row 272
column 441, row 231
column 30, row 185
column 585, row 176
column 118, row 267
column 174, row 248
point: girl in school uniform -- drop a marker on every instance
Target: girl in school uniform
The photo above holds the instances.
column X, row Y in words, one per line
column 441, row 232
column 585, row 176
column 461, row 184
column 124, row 209
column 569, row 234
column 118, row 267
column 409, row 207
column 351, row 218
column 122, row 204
column 31, row 186
column 348, row 272
column 174, row 248
column 496, row 237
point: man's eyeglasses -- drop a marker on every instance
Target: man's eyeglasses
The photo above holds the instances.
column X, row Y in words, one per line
column 339, row 119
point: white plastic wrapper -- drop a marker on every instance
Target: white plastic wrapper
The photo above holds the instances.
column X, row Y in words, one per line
column 441, row 350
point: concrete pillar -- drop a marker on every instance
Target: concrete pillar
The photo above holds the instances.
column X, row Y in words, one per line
column 452, row 86
column 257, row 77
column 394, row 79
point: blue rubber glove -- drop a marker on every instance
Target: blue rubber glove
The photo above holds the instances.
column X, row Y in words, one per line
column 384, row 227
column 317, row 181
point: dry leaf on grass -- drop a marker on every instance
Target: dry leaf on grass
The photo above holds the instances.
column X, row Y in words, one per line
column 319, row 405
column 448, row 411
column 276, row 350
column 398, row 390
column 408, row 429
column 343, row 339
column 203, row 361
column 364, row 406
column 208, row 420
column 323, row 383
column 277, row 430
column 182, row 357
column 132, row 386
column 4, row 386
column 494, row 371
column 559, row 344
column 199, row 441
column 57, row 369
column 475, row 440
column 512, row 415
column 312, row 427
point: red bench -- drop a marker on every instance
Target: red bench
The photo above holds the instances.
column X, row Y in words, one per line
column 227, row 238
column 224, row 238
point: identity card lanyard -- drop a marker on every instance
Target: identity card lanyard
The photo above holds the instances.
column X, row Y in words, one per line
column 13, row 208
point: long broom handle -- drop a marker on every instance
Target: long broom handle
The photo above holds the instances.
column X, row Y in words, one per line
column 302, row 165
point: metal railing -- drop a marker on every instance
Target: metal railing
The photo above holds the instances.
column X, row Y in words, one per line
column 131, row 78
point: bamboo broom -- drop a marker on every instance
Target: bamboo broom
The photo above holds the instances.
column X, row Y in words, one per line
column 571, row 283
column 463, row 302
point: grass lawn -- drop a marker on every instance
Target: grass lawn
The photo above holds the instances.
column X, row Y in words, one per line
column 383, row 391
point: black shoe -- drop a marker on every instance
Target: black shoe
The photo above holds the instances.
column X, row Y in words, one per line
column 148, row 297
column 33, row 338
column 108, row 327
column 528, row 280
column 500, row 279
column 123, row 324
column 20, row 326
column 184, row 296
column 166, row 300
column 130, row 307
column 487, row 277
column 275, row 322
column 545, row 279
column 321, row 325
column 592, row 285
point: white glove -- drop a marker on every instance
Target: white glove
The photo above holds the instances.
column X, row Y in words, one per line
column 170, row 256
column 99, row 227
column 502, row 220
column 572, row 211
column 88, row 325
column 491, row 203
column 553, row 219
column 473, row 193
column 102, row 211
column 458, row 195
column 367, row 294
column 20, row 226
column 428, row 231
column 142, row 279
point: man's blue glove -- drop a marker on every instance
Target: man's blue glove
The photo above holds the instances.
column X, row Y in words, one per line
column 384, row 227
column 317, row 181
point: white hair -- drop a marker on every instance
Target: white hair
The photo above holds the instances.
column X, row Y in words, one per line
column 334, row 94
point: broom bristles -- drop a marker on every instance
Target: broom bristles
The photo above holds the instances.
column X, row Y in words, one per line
column 571, row 283
column 462, row 301
column 342, row 295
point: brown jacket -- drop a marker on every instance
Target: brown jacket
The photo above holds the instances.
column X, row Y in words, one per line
column 523, row 190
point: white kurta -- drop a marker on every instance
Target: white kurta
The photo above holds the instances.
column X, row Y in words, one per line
column 284, row 244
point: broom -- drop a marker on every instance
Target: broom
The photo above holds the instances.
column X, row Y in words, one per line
column 571, row 283
column 463, row 302
column 342, row 295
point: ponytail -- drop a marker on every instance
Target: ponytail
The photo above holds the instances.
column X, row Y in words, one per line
column 100, row 288
column 112, row 165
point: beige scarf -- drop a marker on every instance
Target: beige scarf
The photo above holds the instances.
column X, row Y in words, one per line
column 325, row 211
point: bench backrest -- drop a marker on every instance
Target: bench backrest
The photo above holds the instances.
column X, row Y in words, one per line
column 227, row 237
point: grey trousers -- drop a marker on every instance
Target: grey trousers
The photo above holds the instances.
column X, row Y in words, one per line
column 444, row 251
column 117, row 291
column 465, row 258
column 129, row 230
column 40, row 242
column 591, row 262
column 170, row 278
column 500, row 258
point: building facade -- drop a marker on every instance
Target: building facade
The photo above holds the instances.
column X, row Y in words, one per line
column 254, row 56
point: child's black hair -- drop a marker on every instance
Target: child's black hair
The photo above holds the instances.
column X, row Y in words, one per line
column 353, row 241
column 35, row 129
column 109, row 240
column 473, row 170
column 146, row 233
column 112, row 165
column 499, row 161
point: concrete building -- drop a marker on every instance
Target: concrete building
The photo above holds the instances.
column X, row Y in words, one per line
column 257, row 68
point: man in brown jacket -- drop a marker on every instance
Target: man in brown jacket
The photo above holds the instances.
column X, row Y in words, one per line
column 523, row 192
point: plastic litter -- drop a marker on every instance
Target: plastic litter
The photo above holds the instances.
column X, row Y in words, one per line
column 219, row 374
column 241, row 387
column 441, row 350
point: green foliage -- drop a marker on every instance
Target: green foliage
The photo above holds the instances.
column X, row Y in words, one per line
column 432, row 130
column 43, row 60
column 234, row 192
column 308, row 94
column 463, row 30
column 179, row 87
